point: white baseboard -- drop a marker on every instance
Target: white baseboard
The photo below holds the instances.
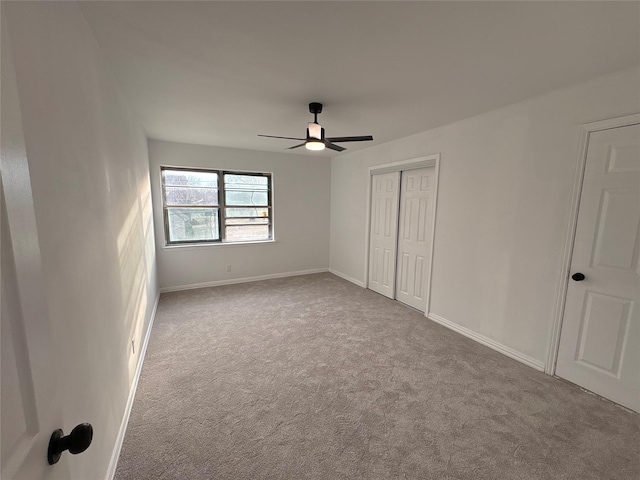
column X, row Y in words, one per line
column 132, row 393
column 347, row 277
column 241, row 280
column 497, row 346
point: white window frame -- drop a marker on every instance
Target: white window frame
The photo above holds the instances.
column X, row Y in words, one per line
column 221, row 207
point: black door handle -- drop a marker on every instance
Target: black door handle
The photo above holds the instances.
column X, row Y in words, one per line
column 578, row 277
column 76, row 442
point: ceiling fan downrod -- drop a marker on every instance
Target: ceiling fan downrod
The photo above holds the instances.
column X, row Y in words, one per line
column 315, row 108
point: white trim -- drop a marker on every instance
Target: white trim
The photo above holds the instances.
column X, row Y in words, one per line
column 113, row 464
column 433, row 232
column 563, row 281
column 610, row 123
column 403, row 165
column 367, row 232
column 216, row 244
column 486, row 341
column 233, row 281
column 347, row 277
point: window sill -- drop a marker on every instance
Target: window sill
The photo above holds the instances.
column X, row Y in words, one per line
column 218, row 244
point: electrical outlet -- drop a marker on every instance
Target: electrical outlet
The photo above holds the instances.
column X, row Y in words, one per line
column 133, row 345
column 228, row 268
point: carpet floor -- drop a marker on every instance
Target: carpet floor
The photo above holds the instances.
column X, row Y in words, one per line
column 312, row 377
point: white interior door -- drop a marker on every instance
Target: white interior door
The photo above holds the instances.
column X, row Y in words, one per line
column 29, row 401
column 383, row 233
column 414, row 236
column 30, row 407
column 600, row 340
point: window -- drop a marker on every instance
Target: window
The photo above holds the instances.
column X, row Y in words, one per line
column 208, row 206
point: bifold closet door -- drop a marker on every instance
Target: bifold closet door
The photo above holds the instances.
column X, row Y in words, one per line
column 384, row 233
column 414, row 237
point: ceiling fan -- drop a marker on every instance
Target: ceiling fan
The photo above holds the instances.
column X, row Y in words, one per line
column 315, row 135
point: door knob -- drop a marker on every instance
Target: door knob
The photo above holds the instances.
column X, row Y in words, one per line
column 578, row 277
column 76, row 442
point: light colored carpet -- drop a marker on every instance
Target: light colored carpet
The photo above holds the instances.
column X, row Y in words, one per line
column 312, row 377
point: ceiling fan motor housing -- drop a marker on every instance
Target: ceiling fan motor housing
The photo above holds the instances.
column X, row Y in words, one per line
column 315, row 108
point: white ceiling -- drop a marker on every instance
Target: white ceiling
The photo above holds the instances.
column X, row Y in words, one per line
column 219, row 73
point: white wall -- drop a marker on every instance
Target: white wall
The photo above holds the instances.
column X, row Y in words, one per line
column 301, row 187
column 506, row 180
column 88, row 162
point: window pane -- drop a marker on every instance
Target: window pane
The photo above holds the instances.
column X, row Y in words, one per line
column 247, row 232
column 193, row 224
column 234, row 197
column 247, row 212
column 189, row 178
column 246, row 182
column 248, row 221
column 246, row 190
column 190, row 196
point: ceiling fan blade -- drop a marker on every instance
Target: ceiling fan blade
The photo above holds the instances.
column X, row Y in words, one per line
column 284, row 138
column 363, row 138
column 297, row 146
column 330, row 145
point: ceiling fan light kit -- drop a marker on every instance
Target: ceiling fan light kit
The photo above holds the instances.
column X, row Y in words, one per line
column 316, row 140
column 313, row 144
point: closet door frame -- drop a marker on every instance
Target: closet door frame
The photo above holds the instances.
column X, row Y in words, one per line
column 400, row 166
